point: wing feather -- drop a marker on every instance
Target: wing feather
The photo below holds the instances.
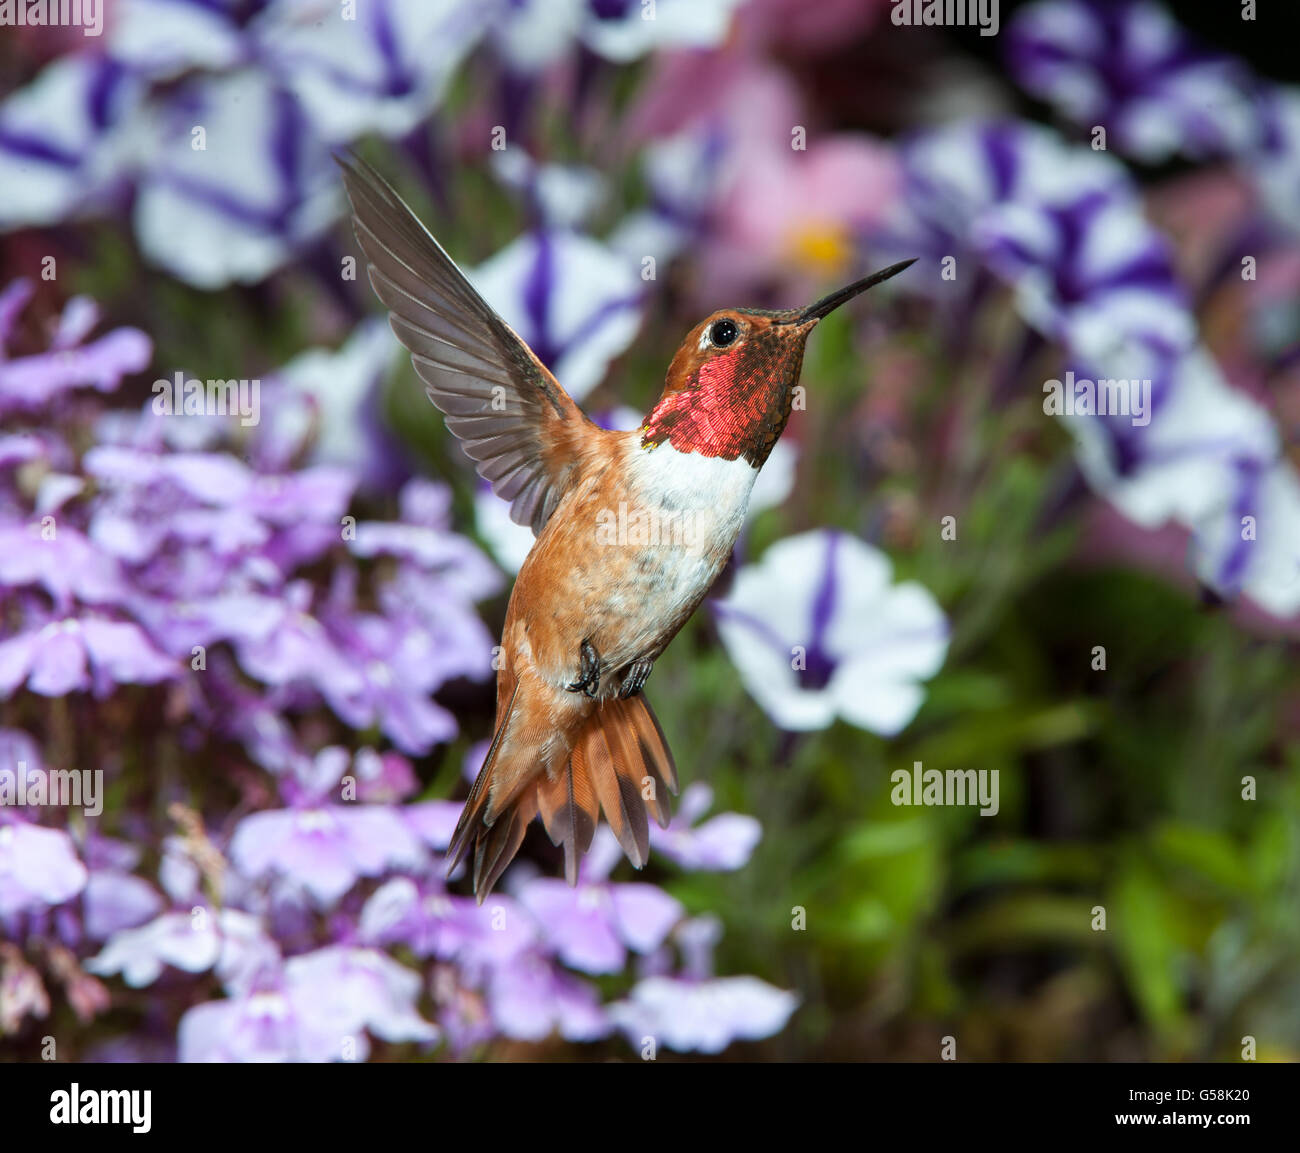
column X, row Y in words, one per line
column 522, row 430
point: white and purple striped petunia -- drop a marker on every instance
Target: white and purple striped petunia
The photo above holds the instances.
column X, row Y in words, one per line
column 1274, row 163
column 1128, row 67
column 816, row 629
column 237, row 181
column 66, row 140
column 531, row 35
column 575, row 302
column 380, row 66
column 957, row 175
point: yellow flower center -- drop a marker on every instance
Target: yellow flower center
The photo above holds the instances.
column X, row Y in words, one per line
column 820, row 247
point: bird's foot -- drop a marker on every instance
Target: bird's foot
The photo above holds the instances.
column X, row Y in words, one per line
column 638, row 673
column 589, row 673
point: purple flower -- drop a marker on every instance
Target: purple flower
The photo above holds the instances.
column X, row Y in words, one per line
column 702, row 1016
column 115, row 900
column 433, row 923
column 529, row 999
column 1251, row 544
column 38, row 867
column 341, row 397
column 423, row 538
column 1184, row 462
column 722, row 843
column 320, row 1009
column 1089, row 271
column 1274, row 164
column 341, row 990
column 162, row 39
column 683, row 175
column 52, row 658
column 324, row 849
column 953, row 176
column 695, row 1012
column 64, row 563
column 383, row 778
column 816, row 630
column 592, row 926
column 534, row 34
column 1126, row 66
column 230, row 941
column 393, row 671
column 555, row 195
column 30, row 383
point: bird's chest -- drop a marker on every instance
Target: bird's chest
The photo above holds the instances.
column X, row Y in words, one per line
column 678, row 521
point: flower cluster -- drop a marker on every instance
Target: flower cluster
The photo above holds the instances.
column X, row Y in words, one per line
column 140, row 549
column 1064, row 228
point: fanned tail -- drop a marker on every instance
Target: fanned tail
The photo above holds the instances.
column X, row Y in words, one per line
column 619, row 762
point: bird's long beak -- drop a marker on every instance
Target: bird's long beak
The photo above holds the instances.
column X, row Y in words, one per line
column 829, row 304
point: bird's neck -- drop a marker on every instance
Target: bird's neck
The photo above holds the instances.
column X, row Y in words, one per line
column 724, row 411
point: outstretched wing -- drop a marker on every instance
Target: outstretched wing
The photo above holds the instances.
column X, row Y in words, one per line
column 522, row 429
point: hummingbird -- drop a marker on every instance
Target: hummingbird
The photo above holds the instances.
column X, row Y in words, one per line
column 632, row 530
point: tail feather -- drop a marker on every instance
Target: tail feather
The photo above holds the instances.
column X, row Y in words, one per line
column 619, row 762
column 656, row 757
column 570, row 811
column 497, row 847
column 620, row 798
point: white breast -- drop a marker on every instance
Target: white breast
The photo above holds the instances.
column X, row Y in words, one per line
column 710, row 491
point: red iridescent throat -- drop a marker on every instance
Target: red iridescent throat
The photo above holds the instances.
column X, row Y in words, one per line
column 735, row 404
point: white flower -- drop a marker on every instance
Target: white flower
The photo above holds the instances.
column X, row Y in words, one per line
column 816, row 630
column 64, row 139
column 575, row 302
column 236, row 208
column 383, row 70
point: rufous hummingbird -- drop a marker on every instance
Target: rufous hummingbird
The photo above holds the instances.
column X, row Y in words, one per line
column 594, row 604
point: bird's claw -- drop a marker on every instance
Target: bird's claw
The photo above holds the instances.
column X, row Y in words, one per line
column 638, row 673
column 589, row 673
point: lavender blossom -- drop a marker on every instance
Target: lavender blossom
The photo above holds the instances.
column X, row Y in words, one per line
column 321, row 1008
column 592, row 926
column 721, row 844
column 39, row 867
column 230, row 942
column 323, row 847
column 695, row 1012
column 31, row 383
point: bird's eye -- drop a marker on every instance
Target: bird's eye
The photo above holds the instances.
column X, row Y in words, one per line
column 723, row 332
